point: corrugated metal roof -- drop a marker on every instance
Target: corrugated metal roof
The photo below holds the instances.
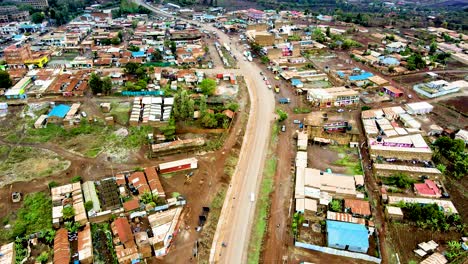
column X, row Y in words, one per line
column 343, row 233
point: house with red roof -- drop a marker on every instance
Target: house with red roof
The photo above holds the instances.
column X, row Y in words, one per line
column 427, row 189
column 123, row 232
column 61, row 247
column 138, row 180
column 358, row 207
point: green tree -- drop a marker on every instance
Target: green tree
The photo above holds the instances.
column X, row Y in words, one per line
column 5, row 80
column 318, row 35
column 37, row 17
column 173, row 48
column 327, row 32
column 134, row 24
column 169, row 130
column 68, row 212
column 432, row 48
column 209, row 120
column 95, row 83
column 134, row 48
column 415, row 61
column 208, row 86
column 115, row 41
column 132, row 67
column 442, row 168
column 264, row 60
column 233, row 106
column 106, row 85
column 140, row 73
column 202, row 106
column 336, row 205
column 157, row 56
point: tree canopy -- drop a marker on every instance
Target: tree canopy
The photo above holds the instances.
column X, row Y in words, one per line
column 5, row 80
column 208, row 86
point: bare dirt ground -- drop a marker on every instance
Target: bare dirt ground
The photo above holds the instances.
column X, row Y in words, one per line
column 457, row 103
column 446, row 117
column 405, row 239
column 299, row 255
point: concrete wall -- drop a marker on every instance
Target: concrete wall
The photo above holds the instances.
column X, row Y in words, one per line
column 338, row 252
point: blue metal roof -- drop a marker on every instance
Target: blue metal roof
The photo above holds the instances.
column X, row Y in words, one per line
column 389, row 60
column 340, row 73
column 137, row 54
column 296, row 82
column 59, row 111
column 344, row 233
column 361, row 77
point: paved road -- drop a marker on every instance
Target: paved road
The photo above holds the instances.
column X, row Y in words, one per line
column 235, row 223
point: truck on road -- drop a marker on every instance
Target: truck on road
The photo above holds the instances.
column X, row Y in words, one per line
column 284, row 100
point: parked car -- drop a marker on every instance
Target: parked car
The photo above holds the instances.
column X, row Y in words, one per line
column 296, row 121
column 261, row 73
column 283, row 128
column 83, row 114
column 340, row 110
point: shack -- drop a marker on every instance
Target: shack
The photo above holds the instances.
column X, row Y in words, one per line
column 178, row 165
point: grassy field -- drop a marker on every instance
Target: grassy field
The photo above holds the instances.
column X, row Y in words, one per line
column 349, row 159
column 26, row 163
column 120, row 112
column 263, row 202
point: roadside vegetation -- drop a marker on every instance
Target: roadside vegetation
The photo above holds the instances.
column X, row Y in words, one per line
column 263, row 201
column 451, row 157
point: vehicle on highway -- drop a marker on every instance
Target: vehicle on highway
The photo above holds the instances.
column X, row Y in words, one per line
column 252, row 197
column 283, row 128
column 284, row 100
column 277, row 89
column 269, row 86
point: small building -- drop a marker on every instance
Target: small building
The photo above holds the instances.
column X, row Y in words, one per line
column 463, row 135
column 178, row 165
column 138, row 180
column 378, row 81
column 8, row 253
column 302, row 140
column 85, row 245
column 123, row 232
column 396, row 47
column 40, row 122
column 61, row 247
column 435, row 258
column 392, row 91
column 154, row 182
column 18, row 91
column 427, row 189
column 347, row 236
column 105, row 107
column 131, row 205
column 358, row 207
column 419, row 108
column 336, row 96
column 58, row 113
column 394, row 213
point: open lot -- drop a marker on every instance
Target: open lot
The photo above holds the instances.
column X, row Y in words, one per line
column 340, row 159
column 404, row 239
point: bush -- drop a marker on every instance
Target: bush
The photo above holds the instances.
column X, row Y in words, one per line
column 336, row 205
column 365, row 107
column 53, row 184
column 76, row 179
column 43, row 257
column 68, row 212
column 282, row 115
column 88, row 205
column 35, row 215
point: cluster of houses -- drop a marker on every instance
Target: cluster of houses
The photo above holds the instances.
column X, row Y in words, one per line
column 139, row 230
column 314, row 188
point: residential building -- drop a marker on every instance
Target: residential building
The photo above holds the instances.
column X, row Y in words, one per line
column 419, row 108
column 68, row 195
column 58, row 113
column 333, row 97
column 154, row 182
column 18, row 91
column 17, row 54
column 255, row 14
column 393, row 213
column 440, row 88
column 138, row 180
column 85, row 245
column 446, row 205
column 262, row 38
column 463, row 135
column 392, row 91
column 435, row 258
column 12, row 13
column 347, row 236
column 358, row 207
column 123, row 233
column 37, row 4
column 427, row 189
column 324, row 18
column 61, row 247
column 396, row 47
column 344, row 217
column 164, row 226
column 8, row 253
